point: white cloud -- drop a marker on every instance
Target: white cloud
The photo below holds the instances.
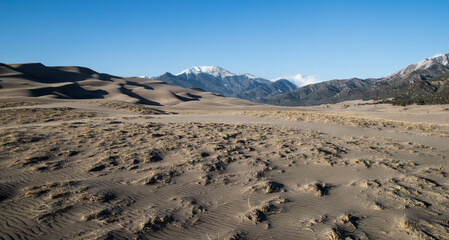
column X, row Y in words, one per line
column 437, row 55
column 301, row 80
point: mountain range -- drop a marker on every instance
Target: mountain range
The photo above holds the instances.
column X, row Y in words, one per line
column 424, row 82
column 218, row 80
column 413, row 79
column 405, row 84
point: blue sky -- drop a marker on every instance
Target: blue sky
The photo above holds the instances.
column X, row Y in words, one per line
column 322, row 39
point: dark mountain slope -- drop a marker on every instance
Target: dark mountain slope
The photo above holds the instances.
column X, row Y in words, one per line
column 272, row 89
column 319, row 93
column 424, row 91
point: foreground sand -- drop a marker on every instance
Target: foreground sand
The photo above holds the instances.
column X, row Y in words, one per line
column 74, row 169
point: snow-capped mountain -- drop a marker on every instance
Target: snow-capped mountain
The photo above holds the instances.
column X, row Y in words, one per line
column 214, row 71
column 432, row 64
column 218, row 80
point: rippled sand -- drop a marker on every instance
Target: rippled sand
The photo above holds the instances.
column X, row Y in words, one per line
column 107, row 169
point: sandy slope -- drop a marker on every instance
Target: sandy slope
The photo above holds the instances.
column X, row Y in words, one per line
column 200, row 166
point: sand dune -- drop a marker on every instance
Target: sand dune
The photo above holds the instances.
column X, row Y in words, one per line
column 37, row 80
column 193, row 165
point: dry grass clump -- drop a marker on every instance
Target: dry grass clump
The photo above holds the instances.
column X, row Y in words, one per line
column 407, row 191
column 57, row 198
column 56, row 189
column 259, row 213
column 348, row 220
column 345, row 226
column 339, row 232
column 407, row 225
column 97, row 215
column 321, row 189
column 425, row 229
column 38, row 115
column 42, row 156
column 325, row 152
column 343, row 119
column 214, row 166
column 395, row 164
column 309, row 223
column 154, row 155
column 137, row 108
column 237, row 235
column 59, row 194
column 18, row 104
column 434, row 171
column 328, row 148
column 158, row 177
column 268, row 187
column 335, row 233
column 360, row 162
column 33, row 159
column 421, row 181
column 51, row 213
column 156, row 223
column 101, row 197
column 422, row 229
column 15, row 139
column 103, row 163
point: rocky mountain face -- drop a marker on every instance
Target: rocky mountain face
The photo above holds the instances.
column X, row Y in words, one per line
column 417, row 74
column 319, row 93
column 424, row 91
column 272, row 89
column 218, row 80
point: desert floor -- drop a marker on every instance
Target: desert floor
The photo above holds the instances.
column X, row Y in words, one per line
column 98, row 169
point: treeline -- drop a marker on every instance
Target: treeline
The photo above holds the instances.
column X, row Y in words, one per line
column 431, row 100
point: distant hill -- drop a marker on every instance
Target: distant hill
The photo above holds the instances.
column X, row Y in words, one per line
column 218, row 80
column 365, row 89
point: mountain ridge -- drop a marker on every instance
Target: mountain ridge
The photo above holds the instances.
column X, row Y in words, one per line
column 218, row 80
column 215, row 71
column 335, row 91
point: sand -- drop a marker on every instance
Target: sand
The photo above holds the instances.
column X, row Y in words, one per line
column 100, row 170
column 194, row 165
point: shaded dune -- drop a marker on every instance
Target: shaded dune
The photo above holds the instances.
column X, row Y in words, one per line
column 39, row 73
column 146, row 86
column 141, row 100
column 187, row 97
column 68, row 91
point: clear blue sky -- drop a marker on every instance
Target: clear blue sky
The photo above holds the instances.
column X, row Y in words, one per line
column 326, row 39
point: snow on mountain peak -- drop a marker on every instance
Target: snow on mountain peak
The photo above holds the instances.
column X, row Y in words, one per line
column 426, row 63
column 441, row 59
column 214, row 71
